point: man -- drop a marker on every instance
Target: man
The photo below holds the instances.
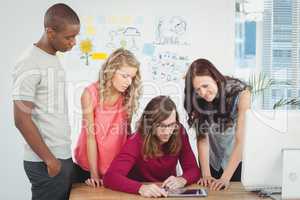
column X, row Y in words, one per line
column 40, row 108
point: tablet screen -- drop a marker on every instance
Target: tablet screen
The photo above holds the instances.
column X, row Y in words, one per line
column 187, row 193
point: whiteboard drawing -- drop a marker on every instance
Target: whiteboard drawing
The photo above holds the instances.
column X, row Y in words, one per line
column 125, row 37
column 114, row 36
column 171, row 31
column 132, row 33
column 168, row 66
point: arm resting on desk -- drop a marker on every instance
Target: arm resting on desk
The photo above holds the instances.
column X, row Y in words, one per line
column 116, row 176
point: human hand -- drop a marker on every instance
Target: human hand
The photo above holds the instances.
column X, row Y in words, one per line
column 53, row 167
column 219, row 184
column 152, row 190
column 206, row 181
column 174, row 182
column 94, row 180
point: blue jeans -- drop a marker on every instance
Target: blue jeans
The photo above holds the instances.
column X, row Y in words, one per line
column 44, row 187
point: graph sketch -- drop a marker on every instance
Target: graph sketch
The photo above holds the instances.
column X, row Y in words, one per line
column 168, row 66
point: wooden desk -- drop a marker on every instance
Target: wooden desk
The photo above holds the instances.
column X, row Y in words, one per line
column 84, row 192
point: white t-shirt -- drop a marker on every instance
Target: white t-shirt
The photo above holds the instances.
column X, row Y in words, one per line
column 40, row 78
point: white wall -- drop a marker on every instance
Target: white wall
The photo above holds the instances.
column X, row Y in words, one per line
column 22, row 23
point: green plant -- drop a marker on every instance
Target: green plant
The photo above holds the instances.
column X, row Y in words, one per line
column 288, row 101
column 261, row 82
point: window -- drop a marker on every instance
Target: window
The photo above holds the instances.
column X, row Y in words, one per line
column 271, row 43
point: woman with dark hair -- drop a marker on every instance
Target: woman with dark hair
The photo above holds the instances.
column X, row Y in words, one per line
column 216, row 107
column 152, row 153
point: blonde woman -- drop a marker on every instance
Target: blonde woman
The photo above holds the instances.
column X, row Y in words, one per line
column 107, row 106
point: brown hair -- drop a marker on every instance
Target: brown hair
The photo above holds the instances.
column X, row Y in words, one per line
column 220, row 108
column 156, row 111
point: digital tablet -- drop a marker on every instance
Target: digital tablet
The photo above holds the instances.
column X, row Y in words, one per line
column 183, row 192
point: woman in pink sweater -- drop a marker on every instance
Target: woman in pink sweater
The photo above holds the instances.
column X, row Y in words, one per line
column 107, row 107
column 152, row 153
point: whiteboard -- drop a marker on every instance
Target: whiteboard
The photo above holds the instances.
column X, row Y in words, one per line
column 166, row 36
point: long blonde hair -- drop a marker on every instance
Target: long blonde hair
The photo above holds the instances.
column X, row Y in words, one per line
column 114, row 62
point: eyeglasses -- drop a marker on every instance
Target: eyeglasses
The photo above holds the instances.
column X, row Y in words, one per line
column 171, row 126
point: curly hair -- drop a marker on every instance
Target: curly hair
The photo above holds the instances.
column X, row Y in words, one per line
column 114, row 62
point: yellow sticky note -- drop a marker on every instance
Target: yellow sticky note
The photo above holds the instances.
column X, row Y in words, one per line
column 90, row 30
column 99, row 56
